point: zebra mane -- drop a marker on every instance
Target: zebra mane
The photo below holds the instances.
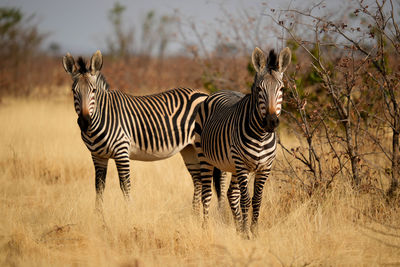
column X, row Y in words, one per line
column 82, row 69
column 101, row 80
column 272, row 61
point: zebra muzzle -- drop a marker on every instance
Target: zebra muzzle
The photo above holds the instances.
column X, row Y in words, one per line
column 271, row 122
column 83, row 123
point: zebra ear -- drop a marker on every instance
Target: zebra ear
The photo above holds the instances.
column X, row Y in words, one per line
column 96, row 62
column 285, row 57
column 259, row 61
column 69, row 64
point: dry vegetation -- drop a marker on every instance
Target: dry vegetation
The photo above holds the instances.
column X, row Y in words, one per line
column 48, row 218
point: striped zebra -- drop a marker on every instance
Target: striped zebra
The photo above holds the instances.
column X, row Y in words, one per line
column 236, row 133
column 122, row 127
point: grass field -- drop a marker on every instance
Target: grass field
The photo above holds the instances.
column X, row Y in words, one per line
column 47, row 210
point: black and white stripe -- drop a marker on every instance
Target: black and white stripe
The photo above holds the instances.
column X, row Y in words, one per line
column 236, row 133
column 122, row 127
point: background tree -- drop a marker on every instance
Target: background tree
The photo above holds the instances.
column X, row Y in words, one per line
column 348, row 77
column 20, row 42
column 120, row 43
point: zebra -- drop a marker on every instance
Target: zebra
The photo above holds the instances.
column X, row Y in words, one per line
column 122, row 127
column 236, row 133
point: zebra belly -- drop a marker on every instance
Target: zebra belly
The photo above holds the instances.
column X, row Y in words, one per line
column 250, row 164
column 223, row 166
column 135, row 153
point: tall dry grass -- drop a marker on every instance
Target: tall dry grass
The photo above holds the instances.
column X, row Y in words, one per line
column 47, row 209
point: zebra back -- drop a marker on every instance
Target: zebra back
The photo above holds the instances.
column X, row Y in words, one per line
column 146, row 127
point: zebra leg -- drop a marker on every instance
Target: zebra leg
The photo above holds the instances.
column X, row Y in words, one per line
column 206, row 171
column 219, row 178
column 192, row 163
column 245, row 202
column 100, row 166
column 196, row 195
column 122, row 163
column 234, row 198
column 259, row 183
column 224, row 177
column 195, row 173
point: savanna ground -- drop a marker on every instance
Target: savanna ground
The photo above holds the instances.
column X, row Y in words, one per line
column 48, row 218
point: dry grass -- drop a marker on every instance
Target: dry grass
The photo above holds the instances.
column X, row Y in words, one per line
column 47, row 210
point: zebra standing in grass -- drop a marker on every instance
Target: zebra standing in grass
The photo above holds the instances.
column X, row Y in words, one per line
column 236, row 133
column 122, row 127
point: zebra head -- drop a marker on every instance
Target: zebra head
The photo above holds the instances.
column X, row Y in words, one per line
column 267, row 87
column 87, row 82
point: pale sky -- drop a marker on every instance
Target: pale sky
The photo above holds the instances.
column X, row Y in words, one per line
column 80, row 26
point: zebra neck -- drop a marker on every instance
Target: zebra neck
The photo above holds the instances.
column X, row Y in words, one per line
column 101, row 82
column 100, row 112
column 256, row 122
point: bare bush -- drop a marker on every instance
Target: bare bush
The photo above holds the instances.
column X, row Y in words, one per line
column 350, row 90
column 20, row 42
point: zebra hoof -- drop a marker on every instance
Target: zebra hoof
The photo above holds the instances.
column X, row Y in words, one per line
column 196, row 211
column 205, row 225
column 246, row 235
column 98, row 210
column 254, row 230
